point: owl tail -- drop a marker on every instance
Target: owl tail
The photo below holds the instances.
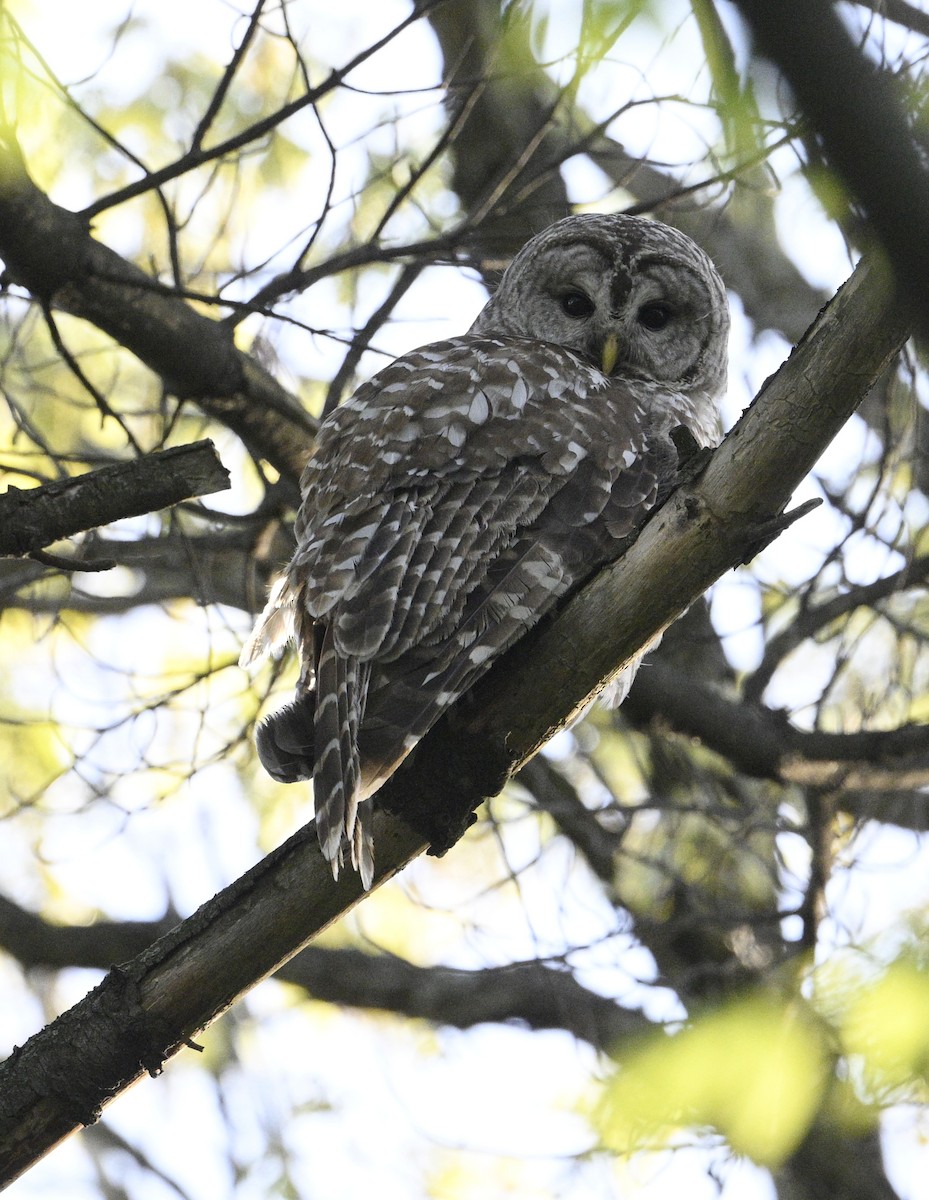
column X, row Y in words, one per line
column 316, row 737
column 341, row 692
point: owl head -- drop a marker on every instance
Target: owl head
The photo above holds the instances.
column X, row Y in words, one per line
column 633, row 297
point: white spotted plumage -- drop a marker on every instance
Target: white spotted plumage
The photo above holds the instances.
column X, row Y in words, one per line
column 472, row 483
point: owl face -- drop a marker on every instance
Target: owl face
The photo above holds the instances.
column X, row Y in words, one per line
column 633, row 297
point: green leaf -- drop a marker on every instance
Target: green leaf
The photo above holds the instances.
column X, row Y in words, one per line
column 753, row 1070
column 884, row 1027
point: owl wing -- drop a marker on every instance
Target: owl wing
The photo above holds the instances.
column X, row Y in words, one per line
column 447, row 506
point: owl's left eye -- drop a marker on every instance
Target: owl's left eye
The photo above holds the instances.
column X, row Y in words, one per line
column 577, row 305
column 654, row 316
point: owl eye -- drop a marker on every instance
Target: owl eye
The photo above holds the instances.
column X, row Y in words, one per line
column 577, row 305
column 654, row 316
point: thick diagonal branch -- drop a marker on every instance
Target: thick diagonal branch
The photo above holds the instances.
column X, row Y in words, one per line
column 536, row 995
column 151, row 1007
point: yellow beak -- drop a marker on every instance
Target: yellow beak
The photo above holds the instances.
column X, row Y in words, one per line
column 609, row 354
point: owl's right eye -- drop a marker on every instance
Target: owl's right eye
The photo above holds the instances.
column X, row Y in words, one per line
column 577, row 305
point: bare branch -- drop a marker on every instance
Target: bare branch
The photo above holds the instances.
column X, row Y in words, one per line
column 555, row 795
column 199, row 155
column 816, row 617
column 210, row 568
column 50, row 251
column 863, row 129
column 38, row 943
column 898, row 11
column 36, row 517
column 149, row 1008
column 762, row 743
column 530, row 993
column 538, row 996
column 222, row 88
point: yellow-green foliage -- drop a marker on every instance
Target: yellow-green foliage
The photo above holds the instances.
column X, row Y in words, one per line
column 753, row 1070
column 758, row 1069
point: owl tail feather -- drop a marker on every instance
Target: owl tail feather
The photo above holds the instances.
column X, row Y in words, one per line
column 341, row 691
column 363, row 845
column 286, row 747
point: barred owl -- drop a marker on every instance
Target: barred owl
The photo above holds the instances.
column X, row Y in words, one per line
column 472, row 483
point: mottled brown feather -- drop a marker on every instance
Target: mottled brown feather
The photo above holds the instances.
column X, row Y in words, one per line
column 462, row 491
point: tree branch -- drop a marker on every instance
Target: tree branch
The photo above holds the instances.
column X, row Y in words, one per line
column 198, row 154
column 210, row 567
column 501, row 106
column 763, row 744
column 537, row 996
column 815, row 617
column 35, row 517
column 555, row 795
column 146, row 1010
column 50, row 252
column 34, row 942
column 861, row 123
column 898, row 11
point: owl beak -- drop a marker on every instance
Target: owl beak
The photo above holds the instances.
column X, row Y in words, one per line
column 609, row 353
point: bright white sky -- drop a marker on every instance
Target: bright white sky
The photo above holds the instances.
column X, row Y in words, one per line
column 492, row 1090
